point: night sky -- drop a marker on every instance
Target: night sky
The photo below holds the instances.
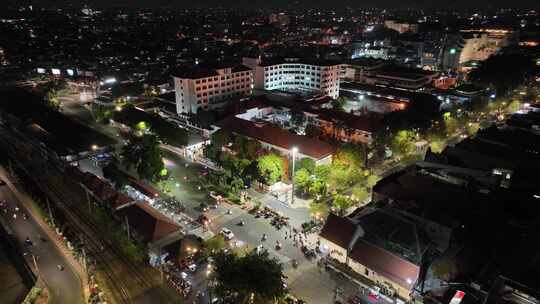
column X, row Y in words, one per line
column 440, row 4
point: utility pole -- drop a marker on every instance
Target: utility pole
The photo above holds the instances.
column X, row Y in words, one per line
column 50, row 211
column 127, row 228
column 88, row 200
column 294, row 151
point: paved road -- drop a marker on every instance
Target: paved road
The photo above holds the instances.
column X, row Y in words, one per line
column 64, row 286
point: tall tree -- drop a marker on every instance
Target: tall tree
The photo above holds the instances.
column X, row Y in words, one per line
column 349, row 155
column 305, row 163
column 302, row 180
column 271, row 167
column 254, row 277
column 341, row 203
column 144, row 155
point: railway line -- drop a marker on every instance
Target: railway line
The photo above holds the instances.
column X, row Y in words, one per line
column 68, row 198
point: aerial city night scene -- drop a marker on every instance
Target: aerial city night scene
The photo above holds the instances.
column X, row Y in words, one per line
column 269, row 152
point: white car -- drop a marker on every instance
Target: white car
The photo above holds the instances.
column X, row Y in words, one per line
column 227, row 234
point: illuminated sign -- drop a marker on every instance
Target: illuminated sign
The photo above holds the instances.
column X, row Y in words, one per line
column 55, row 71
column 41, row 70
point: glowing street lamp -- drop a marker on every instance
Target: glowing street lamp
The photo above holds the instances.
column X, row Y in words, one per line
column 294, row 151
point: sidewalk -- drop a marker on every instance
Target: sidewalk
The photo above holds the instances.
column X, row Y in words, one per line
column 30, row 208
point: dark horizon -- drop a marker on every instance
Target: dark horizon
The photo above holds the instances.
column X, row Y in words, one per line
column 276, row 4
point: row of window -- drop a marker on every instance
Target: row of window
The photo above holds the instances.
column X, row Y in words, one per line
column 211, row 99
column 292, row 72
column 216, row 78
column 217, row 85
column 292, row 66
column 216, row 92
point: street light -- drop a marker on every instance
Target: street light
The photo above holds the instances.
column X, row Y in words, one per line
column 294, row 151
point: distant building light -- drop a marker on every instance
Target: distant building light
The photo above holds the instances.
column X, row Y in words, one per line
column 41, row 70
column 452, row 51
column 55, row 71
column 70, row 72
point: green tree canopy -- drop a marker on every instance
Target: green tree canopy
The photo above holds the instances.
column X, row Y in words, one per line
column 317, row 187
column 341, row 203
column 360, row 193
column 339, row 103
column 253, row 274
column 144, row 155
column 302, row 180
column 213, row 245
column 322, row 172
column 403, row 142
column 271, row 167
column 305, row 163
column 349, row 155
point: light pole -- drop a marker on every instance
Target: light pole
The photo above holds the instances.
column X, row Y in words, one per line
column 294, row 151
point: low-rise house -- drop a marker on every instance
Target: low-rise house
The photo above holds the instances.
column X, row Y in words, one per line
column 381, row 246
column 149, row 224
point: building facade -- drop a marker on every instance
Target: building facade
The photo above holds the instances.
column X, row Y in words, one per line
column 209, row 88
column 401, row 27
column 293, row 74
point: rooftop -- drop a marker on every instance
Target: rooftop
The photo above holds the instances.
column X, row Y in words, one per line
column 276, row 136
column 338, row 230
column 148, row 222
column 197, row 72
column 307, row 61
column 403, row 72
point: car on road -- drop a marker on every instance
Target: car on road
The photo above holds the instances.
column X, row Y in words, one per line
column 203, row 207
column 2, row 183
column 227, row 234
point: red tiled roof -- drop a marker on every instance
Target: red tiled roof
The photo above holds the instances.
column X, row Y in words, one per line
column 148, row 222
column 276, row 136
column 338, row 230
column 121, row 200
column 385, row 263
column 99, row 187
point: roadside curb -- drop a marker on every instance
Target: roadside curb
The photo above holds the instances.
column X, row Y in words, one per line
column 75, row 266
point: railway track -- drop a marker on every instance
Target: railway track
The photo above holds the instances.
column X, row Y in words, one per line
column 68, row 197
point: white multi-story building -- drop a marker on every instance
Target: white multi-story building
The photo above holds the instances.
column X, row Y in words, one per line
column 293, row 74
column 209, row 88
